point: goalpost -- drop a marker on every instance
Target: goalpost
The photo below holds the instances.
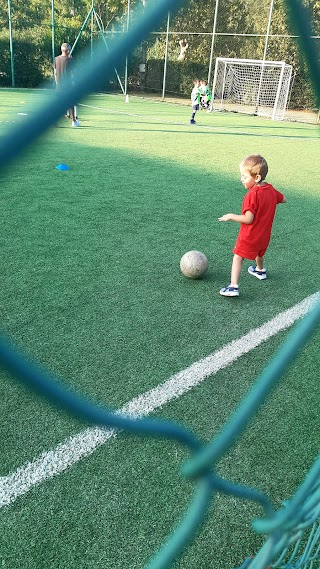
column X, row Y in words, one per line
column 251, row 86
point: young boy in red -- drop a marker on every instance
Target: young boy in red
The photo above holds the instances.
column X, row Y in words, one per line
column 258, row 210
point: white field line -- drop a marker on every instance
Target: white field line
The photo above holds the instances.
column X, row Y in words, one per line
column 53, row 462
column 218, row 129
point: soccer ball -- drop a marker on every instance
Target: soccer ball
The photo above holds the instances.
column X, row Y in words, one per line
column 194, row 264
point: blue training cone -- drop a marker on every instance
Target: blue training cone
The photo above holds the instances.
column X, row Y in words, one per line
column 62, row 167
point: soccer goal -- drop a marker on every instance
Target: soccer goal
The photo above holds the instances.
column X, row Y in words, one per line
column 251, row 86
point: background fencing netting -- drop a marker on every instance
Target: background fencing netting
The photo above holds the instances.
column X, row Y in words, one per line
column 284, row 528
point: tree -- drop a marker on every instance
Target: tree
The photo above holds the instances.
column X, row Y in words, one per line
column 193, row 23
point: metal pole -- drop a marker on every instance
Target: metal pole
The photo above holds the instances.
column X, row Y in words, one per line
column 81, row 30
column 126, row 69
column 223, row 83
column 92, row 11
column 52, row 33
column 268, row 31
column 11, row 44
column 105, row 43
column 275, row 114
column 264, row 53
column 166, row 58
column 213, row 38
column 215, row 81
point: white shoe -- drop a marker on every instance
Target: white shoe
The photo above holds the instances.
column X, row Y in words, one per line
column 261, row 275
column 229, row 291
column 76, row 123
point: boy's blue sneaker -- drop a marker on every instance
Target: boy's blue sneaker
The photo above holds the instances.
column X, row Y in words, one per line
column 229, row 291
column 192, row 121
column 261, row 275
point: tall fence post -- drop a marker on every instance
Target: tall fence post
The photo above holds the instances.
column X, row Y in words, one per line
column 52, row 34
column 11, row 44
column 213, row 40
column 264, row 54
column 92, row 29
column 166, row 58
column 126, row 69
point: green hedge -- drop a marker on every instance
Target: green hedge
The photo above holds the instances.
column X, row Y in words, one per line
column 32, row 64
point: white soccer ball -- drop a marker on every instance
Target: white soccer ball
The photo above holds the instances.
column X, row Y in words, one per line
column 194, row 264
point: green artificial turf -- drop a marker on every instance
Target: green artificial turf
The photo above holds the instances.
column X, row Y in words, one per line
column 91, row 288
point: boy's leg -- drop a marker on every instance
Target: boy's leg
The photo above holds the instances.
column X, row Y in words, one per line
column 233, row 289
column 258, row 271
column 259, row 263
column 236, row 269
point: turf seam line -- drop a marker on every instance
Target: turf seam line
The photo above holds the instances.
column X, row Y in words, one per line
column 73, row 449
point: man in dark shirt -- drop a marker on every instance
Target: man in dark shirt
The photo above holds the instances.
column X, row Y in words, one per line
column 63, row 65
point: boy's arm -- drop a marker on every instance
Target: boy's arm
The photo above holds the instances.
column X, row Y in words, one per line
column 281, row 198
column 246, row 218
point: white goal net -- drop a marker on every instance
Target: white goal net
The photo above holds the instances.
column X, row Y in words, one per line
column 251, row 86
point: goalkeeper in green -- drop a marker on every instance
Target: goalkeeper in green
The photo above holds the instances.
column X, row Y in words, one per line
column 205, row 96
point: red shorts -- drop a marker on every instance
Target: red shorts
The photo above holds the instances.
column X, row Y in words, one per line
column 243, row 251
